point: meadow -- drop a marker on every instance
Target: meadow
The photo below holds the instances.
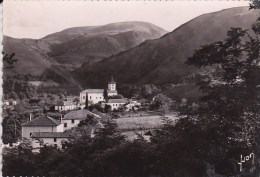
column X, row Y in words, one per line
column 141, row 122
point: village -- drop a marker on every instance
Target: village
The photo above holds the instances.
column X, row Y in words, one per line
column 129, row 89
column 55, row 125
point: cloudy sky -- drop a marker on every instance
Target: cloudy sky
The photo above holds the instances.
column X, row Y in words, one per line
column 36, row 19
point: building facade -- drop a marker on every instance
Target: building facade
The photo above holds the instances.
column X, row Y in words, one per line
column 9, row 104
column 65, row 104
column 116, row 103
column 41, row 124
column 73, row 118
column 93, row 96
column 111, row 91
column 133, row 104
column 55, row 139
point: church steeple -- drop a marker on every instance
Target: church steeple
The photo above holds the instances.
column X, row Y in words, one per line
column 112, row 84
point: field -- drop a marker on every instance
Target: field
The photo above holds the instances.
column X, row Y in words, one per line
column 141, row 122
column 47, row 83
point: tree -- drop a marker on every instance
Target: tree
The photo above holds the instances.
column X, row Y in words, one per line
column 87, row 102
column 179, row 149
column 9, row 60
column 90, row 120
column 108, row 108
column 255, row 4
column 105, row 94
column 108, row 136
column 230, row 109
column 19, row 161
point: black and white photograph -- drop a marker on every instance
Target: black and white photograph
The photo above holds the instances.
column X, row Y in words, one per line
column 130, row 88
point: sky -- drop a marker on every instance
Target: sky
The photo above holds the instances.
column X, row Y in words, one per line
column 36, row 19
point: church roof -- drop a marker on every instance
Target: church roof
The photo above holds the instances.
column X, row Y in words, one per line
column 111, row 91
column 93, row 91
column 42, row 121
column 51, row 135
column 112, row 81
column 117, row 101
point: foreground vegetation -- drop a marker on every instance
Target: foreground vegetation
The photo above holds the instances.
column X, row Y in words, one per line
column 202, row 142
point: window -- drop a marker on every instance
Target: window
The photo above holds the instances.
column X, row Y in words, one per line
column 72, row 121
column 30, row 134
column 83, row 97
column 89, row 97
column 55, row 139
column 65, row 124
column 100, row 98
column 63, row 146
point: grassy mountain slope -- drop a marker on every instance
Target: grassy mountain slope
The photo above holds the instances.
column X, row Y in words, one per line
column 162, row 60
column 75, row 46
column 57, row 54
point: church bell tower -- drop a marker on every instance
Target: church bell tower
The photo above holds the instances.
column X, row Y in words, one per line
column 112, row 85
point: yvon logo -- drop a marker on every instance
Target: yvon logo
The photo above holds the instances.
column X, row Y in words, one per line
column 250, row 157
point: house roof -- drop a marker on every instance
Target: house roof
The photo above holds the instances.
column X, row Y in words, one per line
column 111, row 91
column 51, row 135
column 77, row 115
column 42, row 121
column 93, row 91
column 117, row 101
column 65, row 103
column 149, row 133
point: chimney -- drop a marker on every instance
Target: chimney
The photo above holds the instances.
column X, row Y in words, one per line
column 30, row 119
column 61, row 116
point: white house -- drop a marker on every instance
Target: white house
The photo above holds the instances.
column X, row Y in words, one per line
column 93, row 96
column 9, row 104
column 66, row 104
column 116, row 103
column 55, row 139
column 132, row 104
column 41, row 124
column 73, row 118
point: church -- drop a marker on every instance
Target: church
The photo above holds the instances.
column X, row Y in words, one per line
column 93, row 96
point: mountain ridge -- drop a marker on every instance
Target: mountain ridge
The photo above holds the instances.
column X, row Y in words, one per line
column 55, row 55
column 162, row 60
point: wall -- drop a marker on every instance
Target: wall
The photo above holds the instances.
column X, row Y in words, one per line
column 48, row 141
column 82, row 97
column 111, row 93
column 65, row 108
column 69, row 124
column 95, row 97
column 27, row 130
column 115, row 106
column 111, row 86
column 92, row 97
column 60, row 128
column 130, row 106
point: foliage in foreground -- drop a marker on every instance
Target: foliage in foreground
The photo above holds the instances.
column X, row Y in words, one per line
column 225, row 126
